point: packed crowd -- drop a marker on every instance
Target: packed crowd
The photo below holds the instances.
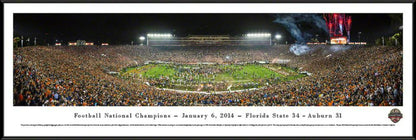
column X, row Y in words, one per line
column 78, row 76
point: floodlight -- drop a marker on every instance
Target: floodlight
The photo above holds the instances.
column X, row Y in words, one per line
column 159, row 35
column 278, row 36
column 258, row 35
column 142, row 38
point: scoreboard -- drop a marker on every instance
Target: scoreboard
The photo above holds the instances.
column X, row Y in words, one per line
column 339, row 40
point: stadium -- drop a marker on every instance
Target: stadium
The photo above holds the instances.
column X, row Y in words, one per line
column 247, row 69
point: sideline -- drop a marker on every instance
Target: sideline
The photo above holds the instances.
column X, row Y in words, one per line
column 206, row 92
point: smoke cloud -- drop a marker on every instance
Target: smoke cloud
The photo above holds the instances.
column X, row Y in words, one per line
column 292, row 23
column 299, row 49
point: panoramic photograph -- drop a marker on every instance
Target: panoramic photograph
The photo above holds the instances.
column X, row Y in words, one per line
column 270, row 59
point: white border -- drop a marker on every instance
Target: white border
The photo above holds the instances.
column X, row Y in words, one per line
column 14, row 116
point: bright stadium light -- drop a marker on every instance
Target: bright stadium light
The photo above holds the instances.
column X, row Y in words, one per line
column 159, row 35
column 278, row 36
column 258, row 35
column 141, row 38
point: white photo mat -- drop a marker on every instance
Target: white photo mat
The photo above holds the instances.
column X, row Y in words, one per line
column 15, row 116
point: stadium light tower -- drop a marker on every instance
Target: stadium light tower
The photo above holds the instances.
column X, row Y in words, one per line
column 142, row 38
column 278, row 37
column 21, row 42
column 158, row 36
column 259, row 36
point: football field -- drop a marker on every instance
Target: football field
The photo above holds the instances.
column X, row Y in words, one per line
column 215, row 77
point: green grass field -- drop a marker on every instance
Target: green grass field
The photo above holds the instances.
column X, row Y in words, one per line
column 212, row 77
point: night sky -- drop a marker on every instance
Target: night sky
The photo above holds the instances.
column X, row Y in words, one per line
column 124, row 28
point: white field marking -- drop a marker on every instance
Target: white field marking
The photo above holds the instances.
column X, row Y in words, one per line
column 205, row 92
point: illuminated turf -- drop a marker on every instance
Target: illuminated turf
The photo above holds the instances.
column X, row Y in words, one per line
column 211, row 77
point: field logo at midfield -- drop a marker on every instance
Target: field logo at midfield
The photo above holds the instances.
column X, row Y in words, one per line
column 395, row 115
